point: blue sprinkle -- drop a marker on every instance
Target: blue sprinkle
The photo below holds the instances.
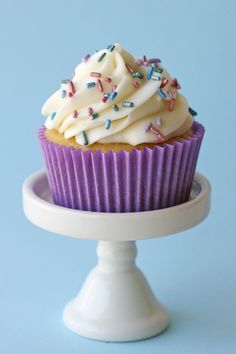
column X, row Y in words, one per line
column 107, row 123
column 161, row 93
column 107, row 94
column 156, row 78
column 63, row 93
column 53, row 115
column 84, row 137
column 91, row 84
column 113, row 96
column 192, row 112
column 150, row 72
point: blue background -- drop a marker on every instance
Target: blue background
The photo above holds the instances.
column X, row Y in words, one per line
column 193, row 274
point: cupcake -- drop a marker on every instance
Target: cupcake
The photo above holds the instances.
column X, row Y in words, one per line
column 119, row 137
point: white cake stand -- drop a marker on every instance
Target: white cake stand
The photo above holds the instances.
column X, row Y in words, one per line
column 115, row 302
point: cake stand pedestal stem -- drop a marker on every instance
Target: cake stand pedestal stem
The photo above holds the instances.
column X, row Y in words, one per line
column 116, row 302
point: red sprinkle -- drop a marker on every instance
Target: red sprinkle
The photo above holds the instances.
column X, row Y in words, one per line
column 75, row 114
column 99, row 85
column 136, row 84
column 128, row 67
column 164, row 83
column 108, row 79
column 90, row 111
column 175, row 84
column 157, row 132
column 104, row 99
column 95, row 74
column 72, row 88
column 114, row 87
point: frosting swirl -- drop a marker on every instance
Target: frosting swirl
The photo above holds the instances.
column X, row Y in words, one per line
column 114, row 99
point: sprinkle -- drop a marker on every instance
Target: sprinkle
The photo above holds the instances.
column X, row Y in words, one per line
column 175, row 84
column 108, row 79
column 144, row 58
column 53, row 115
column 128, row 67
column 91, row 84
column 95, row 115
column 115, row 107
column 63, row 93
column 164, row 83
column 107, row 94
column 154, row 61
column 136, row 84
column 107, row 123
column 192, row 112
column 86, row 58
column 104, row 99
column 127, row 104
column 75, row 114
column 99, row 85
column 156, row 78
column 113, row 95
column 139, row 62
column 147, row 127
column 95, row 74
column 84, row 137
column 137, row 74
column 159, row 122
column 161, row 93
column 170, row 94
column 150, row 72
column 101, row 57
column 158, row 69
column 171, row 105
column 157, row 132
column 65, row 81
column 72, row 88
column 90, row 111
column 114, row 87
column 111, row 47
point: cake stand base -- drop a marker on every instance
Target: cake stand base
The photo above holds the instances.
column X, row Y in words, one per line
column 116, row 302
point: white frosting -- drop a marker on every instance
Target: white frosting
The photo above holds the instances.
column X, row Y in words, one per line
column 128, row 124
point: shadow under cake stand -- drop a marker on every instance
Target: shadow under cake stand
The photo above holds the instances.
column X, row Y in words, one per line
column 115, row 303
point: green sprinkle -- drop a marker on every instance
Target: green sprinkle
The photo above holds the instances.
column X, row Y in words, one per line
column 101, row 57
column 84, row 137
column 115, row 107
column 158, row 69
column 65, row 81
column 112, row 47
column 127, row 104
column 95, row 115
column 137, row 74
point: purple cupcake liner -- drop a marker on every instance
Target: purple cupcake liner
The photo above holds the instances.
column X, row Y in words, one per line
column 139, row 180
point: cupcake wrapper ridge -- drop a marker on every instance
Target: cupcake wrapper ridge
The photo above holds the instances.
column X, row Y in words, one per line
column 139, row 180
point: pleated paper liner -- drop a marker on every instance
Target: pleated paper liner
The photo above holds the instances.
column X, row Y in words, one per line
column 139, row 180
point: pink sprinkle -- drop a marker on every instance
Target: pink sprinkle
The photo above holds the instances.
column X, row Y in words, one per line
column 128, row 67
column 95, row 74
column 157, row 132
column 108, row 79
column 114, row 87
column 171, row 105
column 136, row 84
column 75, row 114
column 90, row 111
column 139, row 62
column 104, row 99
column 72, row 88
column 99, row 85
column 86, row 58
column 164, row 83
column 170, row 93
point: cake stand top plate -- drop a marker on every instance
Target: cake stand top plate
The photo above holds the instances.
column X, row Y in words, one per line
column 41, row 211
